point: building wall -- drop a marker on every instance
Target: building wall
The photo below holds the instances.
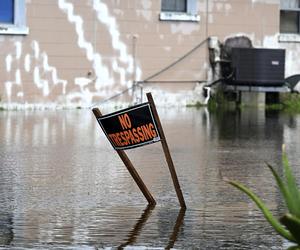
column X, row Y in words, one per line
column 78, row 53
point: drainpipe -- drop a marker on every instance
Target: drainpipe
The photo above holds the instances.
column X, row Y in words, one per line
column 214, row 72
column 214, row 57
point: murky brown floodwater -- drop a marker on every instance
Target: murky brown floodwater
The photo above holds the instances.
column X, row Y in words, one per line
column 63, row 187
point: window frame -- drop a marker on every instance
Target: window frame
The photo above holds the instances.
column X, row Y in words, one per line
column 18, row 27
column 191, row 13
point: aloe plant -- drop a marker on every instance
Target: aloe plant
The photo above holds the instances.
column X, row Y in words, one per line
column 288, row 226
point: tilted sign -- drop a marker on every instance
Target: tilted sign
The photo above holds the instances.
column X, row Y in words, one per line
column 134, row 127
column 130, row 128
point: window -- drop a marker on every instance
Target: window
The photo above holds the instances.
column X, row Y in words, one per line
column 7, row 11
column 290, row 16
column 173, row 5
column 12, row 17
column 179, row 10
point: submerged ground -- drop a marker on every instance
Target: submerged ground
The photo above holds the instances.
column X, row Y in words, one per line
column 62, row 186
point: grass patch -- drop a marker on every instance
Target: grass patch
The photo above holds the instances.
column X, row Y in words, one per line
column 196, row 105
column 290, row 102
column 276, row 106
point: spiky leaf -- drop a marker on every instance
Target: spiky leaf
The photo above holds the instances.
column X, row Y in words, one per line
column 292, row 223
column 294, row 248
column 268, row 215
column 284, row 189
column 291, row 185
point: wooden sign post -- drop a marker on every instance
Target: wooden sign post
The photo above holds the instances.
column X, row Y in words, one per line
column 167, row 152
column 131, row 168
column 134, row 127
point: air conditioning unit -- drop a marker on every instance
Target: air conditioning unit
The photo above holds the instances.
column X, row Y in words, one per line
column 258, row 67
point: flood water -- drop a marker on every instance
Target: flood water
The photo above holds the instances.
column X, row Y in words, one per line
column 62, row 186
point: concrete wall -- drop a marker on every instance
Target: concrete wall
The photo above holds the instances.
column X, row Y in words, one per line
column 81, row 52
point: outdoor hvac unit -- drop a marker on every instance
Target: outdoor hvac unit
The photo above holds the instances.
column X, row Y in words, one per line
column 258, row 67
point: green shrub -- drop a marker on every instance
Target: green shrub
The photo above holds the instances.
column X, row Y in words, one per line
column 288, row 226
column 291, row 102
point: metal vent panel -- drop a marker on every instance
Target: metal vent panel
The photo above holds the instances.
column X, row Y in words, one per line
column 263, row 67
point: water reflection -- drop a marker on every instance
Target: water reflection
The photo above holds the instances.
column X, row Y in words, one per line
column 63, row 187
column 176, row 229
column 140, row 224
column 134, row 233
column 6, row 229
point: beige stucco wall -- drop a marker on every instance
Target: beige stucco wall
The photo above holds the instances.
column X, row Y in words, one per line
column 82, row 52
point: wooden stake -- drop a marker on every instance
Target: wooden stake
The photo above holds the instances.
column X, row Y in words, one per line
column 166, row 151
column 131, row 168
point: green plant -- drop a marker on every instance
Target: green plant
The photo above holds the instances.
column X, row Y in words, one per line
column 196, row 105
column 291, row 102
column 288, row 226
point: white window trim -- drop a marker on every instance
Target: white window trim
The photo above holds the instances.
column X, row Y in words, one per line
column 191, row 14
column 289, row 38
column 19, row 27
column 178, row 16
